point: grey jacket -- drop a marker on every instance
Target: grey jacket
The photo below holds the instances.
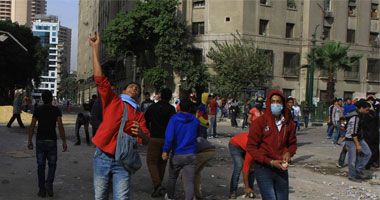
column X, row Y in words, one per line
column 352, row 125
column 337, row 113
column 17, row 106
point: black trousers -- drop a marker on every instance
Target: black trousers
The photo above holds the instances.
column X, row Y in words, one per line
column 18, row 116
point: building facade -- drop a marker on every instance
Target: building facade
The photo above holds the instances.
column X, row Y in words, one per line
column 22, row 11
column 285, row 28
column 64, row 39
column 47, row 28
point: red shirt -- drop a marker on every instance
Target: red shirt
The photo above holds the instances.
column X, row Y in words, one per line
column 265, row 142
column 113, row 108
column 256, row 113
column 213, row 106
column 241, row 141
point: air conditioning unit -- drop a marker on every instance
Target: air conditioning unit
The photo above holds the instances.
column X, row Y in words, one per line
column 329, row 14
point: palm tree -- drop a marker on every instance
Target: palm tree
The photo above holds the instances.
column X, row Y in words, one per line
column 333, row 57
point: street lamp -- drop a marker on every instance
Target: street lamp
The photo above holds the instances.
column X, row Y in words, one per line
column 310, row 70
column 4, row 37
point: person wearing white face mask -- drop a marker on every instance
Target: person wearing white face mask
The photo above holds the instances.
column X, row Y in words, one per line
column 271, row 143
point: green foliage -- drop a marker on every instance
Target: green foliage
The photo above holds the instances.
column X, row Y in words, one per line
column 153, row 32
column 333, row 57
column 18, row 67
column 196, row 77
column 68, row 87
column 157, row 77
column 238, row 65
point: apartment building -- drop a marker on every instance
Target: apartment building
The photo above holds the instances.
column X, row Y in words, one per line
column 284, row 28
column 64, row 39
column 22, row 11
column 47, row 28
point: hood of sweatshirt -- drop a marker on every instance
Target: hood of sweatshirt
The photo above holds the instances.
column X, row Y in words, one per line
column 184, row 117
column 204, row 98
column 268, row 112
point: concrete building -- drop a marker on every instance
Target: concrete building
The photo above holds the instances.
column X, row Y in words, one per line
column 22, row 11
column 95, row 16
column 47, row 28
column 64, row 38
column 285, row 28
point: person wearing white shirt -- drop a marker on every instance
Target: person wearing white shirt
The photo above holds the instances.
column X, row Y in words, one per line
column 297, row 114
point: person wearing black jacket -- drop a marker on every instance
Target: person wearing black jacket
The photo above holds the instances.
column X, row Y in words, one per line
column 157, row 118
column 371, row 132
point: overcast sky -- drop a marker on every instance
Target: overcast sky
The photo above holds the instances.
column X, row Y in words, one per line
column 67, row 12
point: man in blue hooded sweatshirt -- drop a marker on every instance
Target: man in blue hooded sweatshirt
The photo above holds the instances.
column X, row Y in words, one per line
column 180, row 138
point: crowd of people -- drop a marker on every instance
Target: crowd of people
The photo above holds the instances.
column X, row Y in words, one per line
column 181, row 135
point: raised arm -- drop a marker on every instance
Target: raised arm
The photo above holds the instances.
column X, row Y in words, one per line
column 95, row 42
column 62, row 133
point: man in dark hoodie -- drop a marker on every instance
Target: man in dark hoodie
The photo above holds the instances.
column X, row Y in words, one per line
column 356, row 143
column 271, row 143
column 180, row 138
column 371, row 132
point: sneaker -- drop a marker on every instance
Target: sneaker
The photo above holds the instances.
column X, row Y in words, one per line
column 328, row 137
column 355, row 180
column 232, row 196
column 8, row 126
column 216, row 136
column 166, row 197
column 157, row 192
column 339, row 166
column 41, row 194
column 362, row 176
column 77, row 143
column 209, row 137
column 49, row 190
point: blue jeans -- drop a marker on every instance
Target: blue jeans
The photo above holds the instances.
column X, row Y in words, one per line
column 342, row 156
column 297, row 124
column 46, row 150
column 105, row 170
column 212, row 119
column 338, row 134
column 330, row 130
column 238, row 156
column 273, row 183
column 363, row 158
column 306, row 119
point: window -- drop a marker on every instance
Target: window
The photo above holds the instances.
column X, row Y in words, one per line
column 197, row 56
column 374, row 39
column 271, row 59
column 264, row 2
column 52, row 74
column 51, row 85
column 287, row 92
column 350, row 36
column 52, row 63
column 374, row 10
column 373, row 69
column 291, row 63
column 198, row 28
column 326, row 33
column 53, row 40
column 322, row 95
column 263, row 27
column 353, row 73
column 289, row 30
column 54, row 28
column 291, row 4
column 348, row 95
column 198, row 3
column 327, row 5
column 54, row 33
column 351, row 7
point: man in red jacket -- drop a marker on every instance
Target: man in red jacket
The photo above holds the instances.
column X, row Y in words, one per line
column 271, row 143
column 106, row 168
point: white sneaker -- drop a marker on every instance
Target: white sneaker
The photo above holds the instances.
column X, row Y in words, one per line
column 166, row 197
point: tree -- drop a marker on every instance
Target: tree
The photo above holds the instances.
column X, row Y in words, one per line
column 68, row 87
column 19, row 67
column 333, row 57
column 238, row 65
column 159, row 39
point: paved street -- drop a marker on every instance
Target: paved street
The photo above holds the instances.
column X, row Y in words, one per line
column 314, row 175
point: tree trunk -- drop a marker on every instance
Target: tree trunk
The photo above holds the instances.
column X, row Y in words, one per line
column 330, row 88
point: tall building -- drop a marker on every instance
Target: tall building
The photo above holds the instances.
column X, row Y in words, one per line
column 284, row 29
column 47, row 28
column 22, row 11
column 95, row 16
column 64, row 38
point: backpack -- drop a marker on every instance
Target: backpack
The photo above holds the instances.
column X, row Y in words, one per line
column 126, row 148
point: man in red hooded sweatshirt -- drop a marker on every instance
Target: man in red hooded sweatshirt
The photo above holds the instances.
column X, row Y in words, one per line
column 271, row 143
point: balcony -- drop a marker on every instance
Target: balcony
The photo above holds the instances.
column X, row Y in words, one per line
column 373, row 77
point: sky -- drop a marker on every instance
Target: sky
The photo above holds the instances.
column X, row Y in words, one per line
column 67, row 12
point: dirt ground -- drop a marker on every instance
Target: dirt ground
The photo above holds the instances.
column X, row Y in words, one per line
column 314, row 175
